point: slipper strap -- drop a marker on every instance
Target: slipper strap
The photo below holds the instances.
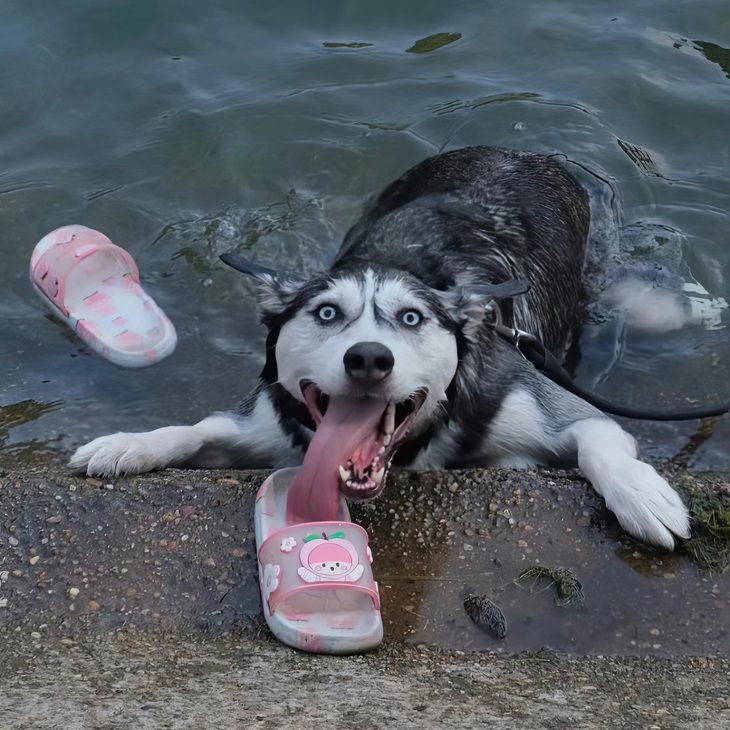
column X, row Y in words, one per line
column 50, row 272
column 330, row 586
column 314, row 556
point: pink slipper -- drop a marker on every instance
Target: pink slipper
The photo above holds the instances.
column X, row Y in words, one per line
column 93, row 285
column 317, row 585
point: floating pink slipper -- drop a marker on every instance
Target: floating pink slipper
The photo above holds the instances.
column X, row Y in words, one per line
column 316, row 582
column 93, row 285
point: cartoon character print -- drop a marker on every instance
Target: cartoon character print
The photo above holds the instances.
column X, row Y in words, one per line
column 329, row 558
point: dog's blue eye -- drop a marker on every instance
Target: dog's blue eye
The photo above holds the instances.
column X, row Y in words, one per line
column 411, row 317
column 328, row 313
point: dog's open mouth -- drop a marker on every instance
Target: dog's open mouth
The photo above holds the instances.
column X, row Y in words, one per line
column 350, row 452
column 358, row 436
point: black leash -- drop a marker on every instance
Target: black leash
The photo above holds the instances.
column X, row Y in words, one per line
column 535, row 352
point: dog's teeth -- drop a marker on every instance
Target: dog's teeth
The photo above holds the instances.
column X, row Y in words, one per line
column 389, row 420
column 381, row 451
column 345, row 474
column 349, row 482
column 386, row 439
column 377, row 476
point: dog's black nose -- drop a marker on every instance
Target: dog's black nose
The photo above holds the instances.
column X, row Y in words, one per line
column 369, row 362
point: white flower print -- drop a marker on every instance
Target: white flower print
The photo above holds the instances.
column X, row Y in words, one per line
column 271, row 579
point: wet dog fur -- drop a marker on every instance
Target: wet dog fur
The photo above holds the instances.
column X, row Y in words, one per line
column 416, row 276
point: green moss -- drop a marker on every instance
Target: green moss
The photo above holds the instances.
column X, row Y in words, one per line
column 642, row 250
column 347, row 45
column 568, row 587
column 709, row 545
column 433, row 42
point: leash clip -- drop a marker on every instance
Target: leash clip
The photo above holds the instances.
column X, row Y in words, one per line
column 516, row 337
column 513, row 335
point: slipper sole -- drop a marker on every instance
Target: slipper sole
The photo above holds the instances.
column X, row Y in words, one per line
column 93, row 286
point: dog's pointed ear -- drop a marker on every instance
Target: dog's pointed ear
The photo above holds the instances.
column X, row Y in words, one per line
column 277, row 289
column 469, row 304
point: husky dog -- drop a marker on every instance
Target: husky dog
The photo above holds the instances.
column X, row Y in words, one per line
column 393, row 353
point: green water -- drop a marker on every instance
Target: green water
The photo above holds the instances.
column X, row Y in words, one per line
column 185, row 129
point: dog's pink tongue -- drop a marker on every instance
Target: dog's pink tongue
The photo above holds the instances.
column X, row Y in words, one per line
column 314, row 495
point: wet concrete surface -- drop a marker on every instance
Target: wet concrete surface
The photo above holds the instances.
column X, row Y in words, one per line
column 133, row 604
column 475, row 533
column 175, row 550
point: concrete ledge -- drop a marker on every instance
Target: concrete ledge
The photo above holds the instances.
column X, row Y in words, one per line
column 134, row 604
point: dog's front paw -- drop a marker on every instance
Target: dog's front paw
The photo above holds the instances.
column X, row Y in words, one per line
column 120, row 453
column 645, row 505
